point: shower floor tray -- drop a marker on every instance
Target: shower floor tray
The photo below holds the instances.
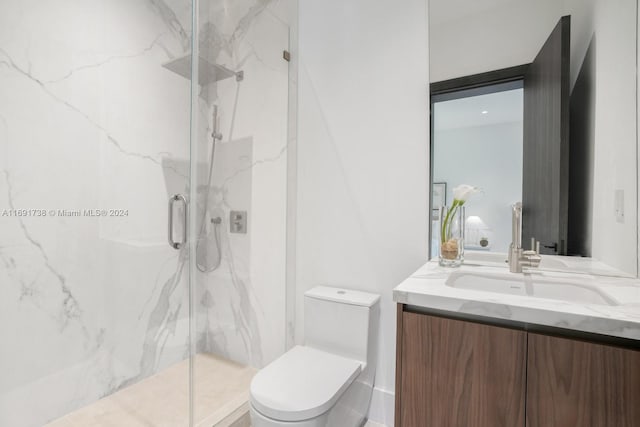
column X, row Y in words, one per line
column 162, row 400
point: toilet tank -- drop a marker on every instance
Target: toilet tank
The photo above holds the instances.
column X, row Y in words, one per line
column 342, row 321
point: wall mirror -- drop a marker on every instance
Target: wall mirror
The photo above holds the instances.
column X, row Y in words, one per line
column 536, row 102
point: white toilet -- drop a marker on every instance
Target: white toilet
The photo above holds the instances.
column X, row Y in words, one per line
column 327, row 382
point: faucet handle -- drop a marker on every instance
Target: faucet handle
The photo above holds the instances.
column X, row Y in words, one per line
column 535, row 248
column 532, row 257
column 535, row 245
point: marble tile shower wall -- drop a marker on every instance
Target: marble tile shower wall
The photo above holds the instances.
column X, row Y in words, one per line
column 241, row 305
column 89, row 120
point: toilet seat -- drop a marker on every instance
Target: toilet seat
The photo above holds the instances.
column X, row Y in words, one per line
column 301, row 384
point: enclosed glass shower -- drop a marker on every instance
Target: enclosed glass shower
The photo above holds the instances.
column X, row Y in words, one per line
column 143, row 208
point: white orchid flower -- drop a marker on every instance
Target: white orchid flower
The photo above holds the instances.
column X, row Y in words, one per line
column 462, row 193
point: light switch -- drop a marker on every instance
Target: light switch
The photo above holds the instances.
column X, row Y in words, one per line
column 618, row 204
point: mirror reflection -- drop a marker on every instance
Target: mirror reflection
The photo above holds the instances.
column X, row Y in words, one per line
column 467, row 134
column 536, row 102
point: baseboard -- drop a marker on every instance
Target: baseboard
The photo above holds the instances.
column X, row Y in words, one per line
column 382, row 407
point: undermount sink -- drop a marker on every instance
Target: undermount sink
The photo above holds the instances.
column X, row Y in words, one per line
column 497, row 259
column 531, row 285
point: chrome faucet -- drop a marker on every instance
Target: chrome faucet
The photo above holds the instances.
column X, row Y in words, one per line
column 519, row 258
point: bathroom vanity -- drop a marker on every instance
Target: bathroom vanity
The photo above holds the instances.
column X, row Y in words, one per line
column 480, row 346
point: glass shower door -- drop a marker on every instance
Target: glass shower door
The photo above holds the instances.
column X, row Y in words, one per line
column 94, row 139
column 142, row 271
column 239, row 201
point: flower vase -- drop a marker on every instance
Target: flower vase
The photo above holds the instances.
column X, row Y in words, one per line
column 452, row 236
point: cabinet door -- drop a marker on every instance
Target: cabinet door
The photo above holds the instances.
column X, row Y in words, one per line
column 575, row 383
column 457, row 373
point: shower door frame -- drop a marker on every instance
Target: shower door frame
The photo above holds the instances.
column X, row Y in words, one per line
column 192, row 211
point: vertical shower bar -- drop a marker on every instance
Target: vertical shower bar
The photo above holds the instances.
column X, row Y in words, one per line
column 193, row 185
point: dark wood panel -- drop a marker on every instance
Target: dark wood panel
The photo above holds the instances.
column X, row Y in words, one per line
column 398, row 397
column 582, row 138
column 456, row 373
column 575, row 383
column 546, row 143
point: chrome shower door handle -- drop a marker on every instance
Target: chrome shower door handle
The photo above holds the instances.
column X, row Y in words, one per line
column 172, row 200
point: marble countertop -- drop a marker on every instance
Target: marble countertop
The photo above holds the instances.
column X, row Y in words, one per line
column 618, row 315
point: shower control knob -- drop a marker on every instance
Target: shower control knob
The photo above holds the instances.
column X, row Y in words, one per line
column 238, row 222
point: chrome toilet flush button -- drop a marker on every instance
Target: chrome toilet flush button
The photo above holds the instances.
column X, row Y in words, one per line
column 238, row 222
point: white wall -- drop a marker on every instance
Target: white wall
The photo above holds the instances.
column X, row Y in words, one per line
column 511, row 34
column 363, row 156
column 503, row 35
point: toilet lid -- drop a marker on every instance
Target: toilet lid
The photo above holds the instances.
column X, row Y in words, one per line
column 301, row 384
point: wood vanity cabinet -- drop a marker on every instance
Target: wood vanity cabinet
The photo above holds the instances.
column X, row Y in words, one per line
column 578, row 383
column 458, row 373
column 462, row 373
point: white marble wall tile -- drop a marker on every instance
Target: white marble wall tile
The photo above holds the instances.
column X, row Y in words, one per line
column 89, row 304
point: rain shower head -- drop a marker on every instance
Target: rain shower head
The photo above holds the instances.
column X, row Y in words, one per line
column 207, row 72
